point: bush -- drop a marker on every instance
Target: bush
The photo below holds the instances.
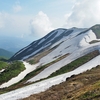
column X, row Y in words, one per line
column 3, row 65
column 13, row 69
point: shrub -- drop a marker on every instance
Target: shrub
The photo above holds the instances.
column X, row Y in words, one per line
column 13, row 69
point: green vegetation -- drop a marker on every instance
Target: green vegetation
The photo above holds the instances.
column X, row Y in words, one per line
column 96, row 30
column 32, row 62
column 89, row 95
column 41, row 68
column 94, row 41
column 3, row 65
column 11, row 70
column 75, row 64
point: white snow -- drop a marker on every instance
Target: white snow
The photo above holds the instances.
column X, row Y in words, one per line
column 42, row 40
column 32, row 53
column 51, row 34
column 22, row 50
column 71, row 41
column 44, row 85
column 2, row 70
column 59, row 32
column 46, row 45
column 16, row 79
column 86, row 38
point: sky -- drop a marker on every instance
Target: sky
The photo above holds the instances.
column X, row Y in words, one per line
column 32, row 19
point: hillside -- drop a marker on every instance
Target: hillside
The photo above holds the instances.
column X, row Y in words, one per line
column 6, row 54
column 52, row 59
column 85, row 86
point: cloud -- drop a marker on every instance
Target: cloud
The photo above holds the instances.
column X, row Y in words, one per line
column 14, row 25
column 3, row 19
column 85, row 13
column 17, row 8
column 40, row 24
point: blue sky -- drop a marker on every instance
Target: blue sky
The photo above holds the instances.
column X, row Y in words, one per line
column 32, row 19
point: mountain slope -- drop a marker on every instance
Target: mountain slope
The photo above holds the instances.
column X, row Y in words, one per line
column 5, row 53
column 45, row 43
column 60, row 54
column 85, row 86
column 74, row 42
column 44, row 85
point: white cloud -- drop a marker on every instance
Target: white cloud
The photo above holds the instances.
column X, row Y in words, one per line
column 14, row 25
column 41, row 24
column 3, row 19
column 85, row 13
column 17, row 7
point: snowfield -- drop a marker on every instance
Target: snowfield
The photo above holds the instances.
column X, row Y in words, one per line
column 70, row 44
column 44, row 85
column 49, row 70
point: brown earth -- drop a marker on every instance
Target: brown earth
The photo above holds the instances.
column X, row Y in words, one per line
column 85, row 86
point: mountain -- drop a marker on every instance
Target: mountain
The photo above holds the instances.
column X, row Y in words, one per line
column 11, row 43
column 51, row 60
column 6, row 54
column 59, row 37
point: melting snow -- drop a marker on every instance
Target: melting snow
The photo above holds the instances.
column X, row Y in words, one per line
column 42, row 40
column 44, row 85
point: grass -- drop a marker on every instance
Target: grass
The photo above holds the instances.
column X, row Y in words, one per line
column 89, row 95
column 3, row 65
column 11, row 70
column 41, row 68
column 75, row 64
column 35, row 72
column 64, row 69
column 96, row 30
column 32, row 61
column 94, row 41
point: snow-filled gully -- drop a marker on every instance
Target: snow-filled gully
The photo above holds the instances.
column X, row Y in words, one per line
column 43, row 85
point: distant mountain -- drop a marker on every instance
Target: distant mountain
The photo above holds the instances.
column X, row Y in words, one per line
column 13, row 44
column 6, row 54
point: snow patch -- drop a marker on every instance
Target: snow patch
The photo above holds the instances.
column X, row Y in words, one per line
column 2, row 70
column 42, row 40
column 86, row 38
